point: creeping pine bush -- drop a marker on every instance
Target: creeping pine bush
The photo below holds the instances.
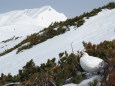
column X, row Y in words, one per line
column 49, row 73
column 103, row 50
column 94, row 83
column 63, row 72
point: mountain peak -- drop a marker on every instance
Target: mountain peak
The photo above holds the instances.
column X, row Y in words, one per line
column 47, row 7
column 44, row 8
column 43, row 16
column 27, row 19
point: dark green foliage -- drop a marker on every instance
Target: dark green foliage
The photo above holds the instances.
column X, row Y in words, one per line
column 8, row 79
column 27, row 70
column 58, row 74
column 94, row 83
column 9, row 39
column 49, row 73
column 78, row 79
column 61, row 54
column 103, row 50
column 111, row 5
column 11, row 49
column 80, row 22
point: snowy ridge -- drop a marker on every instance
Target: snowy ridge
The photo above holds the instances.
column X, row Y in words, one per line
column 96, row 29
column 25, row 22
column 40, row 16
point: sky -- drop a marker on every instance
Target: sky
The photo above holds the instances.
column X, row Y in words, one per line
column 70, row 8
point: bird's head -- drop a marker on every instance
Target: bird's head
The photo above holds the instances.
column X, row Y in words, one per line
column 84, row 53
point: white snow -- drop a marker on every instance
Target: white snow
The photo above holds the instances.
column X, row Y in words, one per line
column 15, row 83
column 90, row 63
column 10, row 44
column 7, row 32
column 21, row 23
column 28, row 21
column 70, row 84
column 96, row 29
column 21, row 31
column 85, row 82
column 40, row 17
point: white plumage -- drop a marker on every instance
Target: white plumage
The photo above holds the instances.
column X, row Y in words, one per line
column 90, row 63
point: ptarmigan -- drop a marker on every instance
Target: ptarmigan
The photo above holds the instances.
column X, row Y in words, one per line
column 90, row 63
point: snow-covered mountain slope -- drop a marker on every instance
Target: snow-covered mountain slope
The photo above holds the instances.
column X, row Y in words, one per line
column 40, row 17
column 96, row 29
column 21, row 23
column 16, row 31
column 7, row 44
column 28, row 21
column 7, row 32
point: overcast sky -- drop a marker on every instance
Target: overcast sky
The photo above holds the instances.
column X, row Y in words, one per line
column 70, row 8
